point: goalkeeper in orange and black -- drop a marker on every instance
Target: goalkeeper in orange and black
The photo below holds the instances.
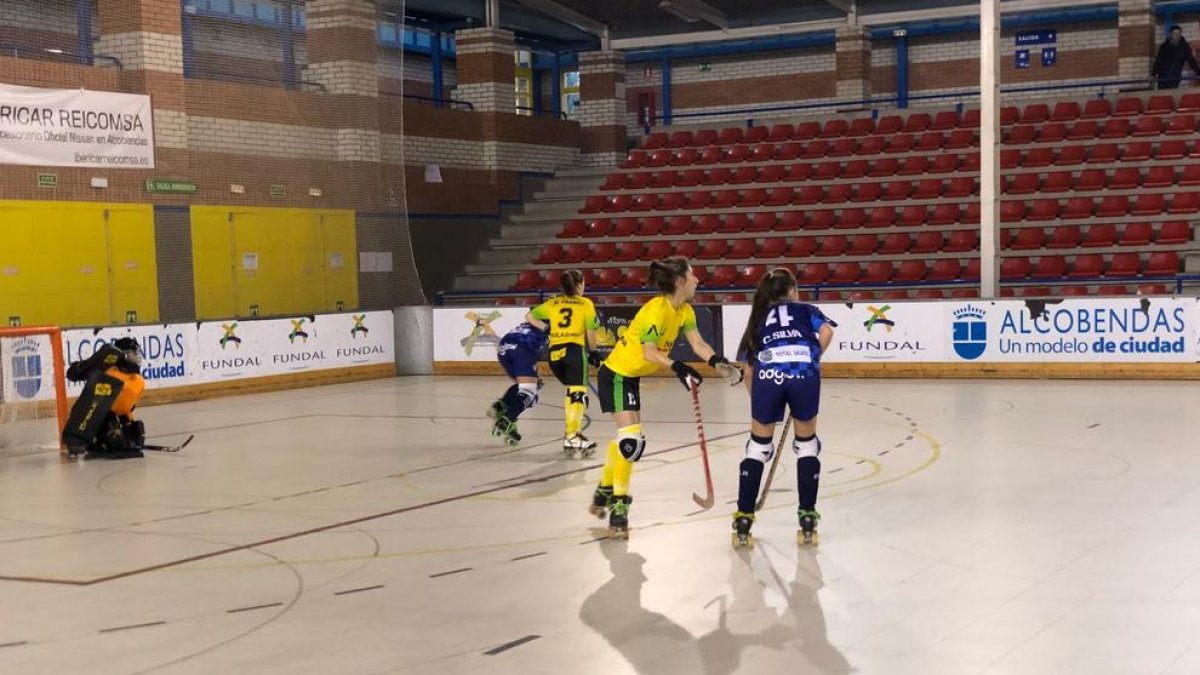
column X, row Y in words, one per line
column 101, row 423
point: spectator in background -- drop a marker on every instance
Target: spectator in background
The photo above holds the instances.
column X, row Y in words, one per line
column 1172, row 54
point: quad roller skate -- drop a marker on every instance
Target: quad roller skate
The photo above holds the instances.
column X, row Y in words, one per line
column 579, row 446
column 741, row 538
column 496, row 411
column 601, row 501
column 807, row 535
column 506, row 429
column 618, row 517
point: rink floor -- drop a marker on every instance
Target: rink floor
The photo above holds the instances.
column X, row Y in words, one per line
column 969, row 527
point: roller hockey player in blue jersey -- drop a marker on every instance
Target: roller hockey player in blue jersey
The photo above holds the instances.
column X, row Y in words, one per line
column 782, row 346
column 518, row 354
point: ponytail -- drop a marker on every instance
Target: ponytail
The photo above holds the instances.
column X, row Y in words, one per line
column 570, row 281
column 666, row 273
column 773, row 287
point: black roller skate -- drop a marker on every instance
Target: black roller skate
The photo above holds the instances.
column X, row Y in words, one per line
column 601, row 501
column 496, row 410
column 506, row 429
column 807, row 535
column 618, row 517
column 742, row 521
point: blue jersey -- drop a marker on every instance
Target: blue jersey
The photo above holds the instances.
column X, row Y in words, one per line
column 786, row 358
column 787, row 338
column 524, row 336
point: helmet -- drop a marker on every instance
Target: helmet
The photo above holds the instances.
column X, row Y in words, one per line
column 129, row 346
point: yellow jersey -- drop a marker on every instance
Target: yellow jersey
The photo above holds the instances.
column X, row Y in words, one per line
column 570, row 317
column 658, row 322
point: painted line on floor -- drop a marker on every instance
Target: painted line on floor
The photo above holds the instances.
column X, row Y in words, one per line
column 1093, row 426
column 253, row 607
column 359, row 590
column 446, row 574
column 527, row 557
column 136, row 625
column 13, row 644
column 337, row 525
column 510, row 645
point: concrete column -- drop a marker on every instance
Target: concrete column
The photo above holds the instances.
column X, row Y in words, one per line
column 1136, row 38
column 989, row 141
column 341, row 58
column 602, row 108
column 486, row 71
column 146, row 35
column 853, row 63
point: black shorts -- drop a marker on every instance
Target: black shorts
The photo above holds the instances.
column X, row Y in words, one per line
column 569, row 364
column 617, row 392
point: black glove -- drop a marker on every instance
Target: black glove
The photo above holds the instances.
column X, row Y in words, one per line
column 685, row 372
column 716, row 359
column 595, row 359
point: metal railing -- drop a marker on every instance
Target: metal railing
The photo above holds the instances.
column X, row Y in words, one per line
column 536, row 112
column 429, row 100
column 22, row 51
column 1106, row 87
column 1178, row 281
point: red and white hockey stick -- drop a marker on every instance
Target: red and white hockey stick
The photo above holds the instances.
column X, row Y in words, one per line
column 707, row 501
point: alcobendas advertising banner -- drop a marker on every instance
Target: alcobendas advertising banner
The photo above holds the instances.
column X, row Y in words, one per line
column 176, row 355
column 75, row 127
column 1100, row 330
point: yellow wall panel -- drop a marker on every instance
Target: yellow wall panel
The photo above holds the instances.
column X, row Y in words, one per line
column 273, row 261
column 55, row 267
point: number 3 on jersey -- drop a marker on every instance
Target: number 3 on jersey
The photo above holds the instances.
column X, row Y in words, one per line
column 566, row 313
column 780, row 316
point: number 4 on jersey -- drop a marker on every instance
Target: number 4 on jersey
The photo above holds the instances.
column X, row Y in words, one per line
column 780, row 316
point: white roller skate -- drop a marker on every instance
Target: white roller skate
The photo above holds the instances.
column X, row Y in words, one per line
column 579, row 446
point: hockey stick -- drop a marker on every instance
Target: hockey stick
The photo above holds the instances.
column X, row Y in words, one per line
column 762, row 498
column 707, row 501
column 169, row 448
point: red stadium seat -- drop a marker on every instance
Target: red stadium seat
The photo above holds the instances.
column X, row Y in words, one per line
column 1185, row 202
column 884, row 216
column 862, row 244
column 838, row 193
column 1021, row 184
column 790, row 221
column 944, row 214
column 884, row 167
column 851, row 218
column 736, row 154
column 1116, row 127
column 1077, row 207
column 945, row 269
column 1084, row 130
column 959, row 139
column 899, row 143
column 1191, row 175
column 1160, row 104
column 845, row 273
column 1029, row 238
column 779, row 196
column 741, row 249
column 895, row 243
column 730, row 136
column 705, row 224
column 801, row 247
column 1073, row 291
column 773, row 247
column 1097, row 108
column 1124, row 265
column 1128, row 107
column 1164, row 263
column 821, row 220
column 1089, row 265
column 962, row 241
column 910, row 271
column 814, row 273
column 781, row 132
column 1189, row 103
column 696, row 200
column 871, row 145
column 889, row 124
column 855, row 168
column 788, row 151
column 911, row 216
column 602, row 252
column 961, row 187
column 1148, row 205
column 655, row 140
column 913, row 166
column 1112, row 206
column 752, row 197
column 1150, row 125
column 651, row 226
column 1020, row 134
column 877, row 272
column 1060, row 181
column 945, row 121
column 1099, row 236
column 1071, row 155
column 869, row 192
column 756, row 135
column 1014, row 268
column 762, row 221
column 1037, row 157
column 1174, row 232
column 927, row 242
column 835, row 128
column 832, row 245
column 901, row 189
column 1136, row 234
column 733, row 222
column 1182, row 124
column 843, row 147
column 1049, row 266
column 1138, row 151
column 1064, row 236
column 815, row 149
column 1043, row 209
column 917, row 122
column 1065, row 112
column 1103, row 154
column 1122, row 179
column 1158, row 176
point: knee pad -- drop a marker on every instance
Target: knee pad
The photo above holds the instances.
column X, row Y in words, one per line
column 578, row 395
column 760, row 452
column 631, row 443
column 528, row 394
column 807, row 447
